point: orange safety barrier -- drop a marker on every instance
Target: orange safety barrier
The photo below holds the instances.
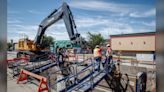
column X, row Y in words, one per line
column 10, row 60
column 43, row 81
column 24, row 58
column 16, row 59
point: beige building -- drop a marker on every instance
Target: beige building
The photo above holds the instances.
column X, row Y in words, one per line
column 133, row 44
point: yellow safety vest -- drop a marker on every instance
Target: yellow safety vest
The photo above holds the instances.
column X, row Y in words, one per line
column 97, row 52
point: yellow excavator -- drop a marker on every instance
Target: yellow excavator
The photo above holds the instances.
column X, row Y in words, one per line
column 27, row 44
column 34, row 49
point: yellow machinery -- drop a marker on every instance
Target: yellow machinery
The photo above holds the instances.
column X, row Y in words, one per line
column 26, row 44
column 33, row 48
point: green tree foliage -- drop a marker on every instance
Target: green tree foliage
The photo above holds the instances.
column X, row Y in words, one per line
column 95, row 39
column 9, row 45
column 83, row 43
column 47, row 41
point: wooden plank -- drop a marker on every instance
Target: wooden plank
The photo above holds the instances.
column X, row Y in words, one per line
column 34, row 75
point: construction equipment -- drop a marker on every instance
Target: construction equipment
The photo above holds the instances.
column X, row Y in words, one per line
column 34, row 49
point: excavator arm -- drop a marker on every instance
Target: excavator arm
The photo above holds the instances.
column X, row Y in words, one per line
column 64, row 13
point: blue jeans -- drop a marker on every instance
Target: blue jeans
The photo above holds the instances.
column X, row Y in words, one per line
column 98, row 60
column 107, row 61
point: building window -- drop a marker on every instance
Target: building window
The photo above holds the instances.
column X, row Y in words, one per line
column 119, row 43
column 144, row 42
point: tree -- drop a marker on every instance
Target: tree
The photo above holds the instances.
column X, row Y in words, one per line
column 95, row 39
column 47, row 41
column 9, row 45
column 83, row 43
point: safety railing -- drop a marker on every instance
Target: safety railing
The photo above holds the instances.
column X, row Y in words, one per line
column 16, row 64
column 23, row 63
column 91, row 80
column 17, row 61
column 57, row 72
column 71, row 77
column 82, row 63
column 49, row 75
column 76, row 81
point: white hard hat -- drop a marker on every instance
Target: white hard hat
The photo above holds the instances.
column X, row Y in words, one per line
column 97, row 46
column 108, row 45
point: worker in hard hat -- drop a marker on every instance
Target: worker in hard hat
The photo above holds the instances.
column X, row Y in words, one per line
column 97, row 56
column 108, row 54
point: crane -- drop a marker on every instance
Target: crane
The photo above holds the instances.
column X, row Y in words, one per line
column 33, row 48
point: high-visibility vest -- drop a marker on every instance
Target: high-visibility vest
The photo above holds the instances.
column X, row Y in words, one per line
column 109, row 52
column 97, row 52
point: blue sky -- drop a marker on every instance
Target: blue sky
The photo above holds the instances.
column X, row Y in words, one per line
column 107, row 17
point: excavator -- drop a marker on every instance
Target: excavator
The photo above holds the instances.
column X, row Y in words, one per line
column 34, row 49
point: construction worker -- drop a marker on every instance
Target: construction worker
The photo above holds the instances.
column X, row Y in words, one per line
column 108, row 54
column 62, row 63
column 97, row 56
column 60, row 56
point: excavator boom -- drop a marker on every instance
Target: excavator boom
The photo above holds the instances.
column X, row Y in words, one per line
column 64, row 13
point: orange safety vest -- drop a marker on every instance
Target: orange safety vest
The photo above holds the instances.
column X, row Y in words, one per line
column 97, row 52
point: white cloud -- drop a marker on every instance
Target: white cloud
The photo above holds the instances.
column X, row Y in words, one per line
column 97, row 24
column 147, row 13
column 14, row 21
column 117, row 9
column 117, row 28
column 121, row 9
column 144, row 23
column 152, row 23
column 90, row 21
column 102, row 6
column 58, row 35
column 105, row 26
column 36, row 12
column 15, row 31
column 117, row 22
column 13, row 11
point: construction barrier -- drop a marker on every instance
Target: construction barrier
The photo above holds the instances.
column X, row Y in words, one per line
column 11, row 62
column 18, row 59
column 43, row 81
